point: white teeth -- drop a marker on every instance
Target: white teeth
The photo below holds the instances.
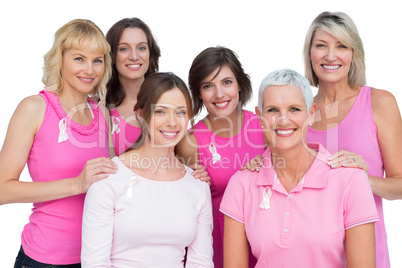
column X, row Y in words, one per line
column 169, row 133
column 86, row 79
column 134, row 66
column 331, row 67
column 221, row 104
column 284, row 132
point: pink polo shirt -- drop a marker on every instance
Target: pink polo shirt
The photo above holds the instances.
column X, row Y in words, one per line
column 305, row 227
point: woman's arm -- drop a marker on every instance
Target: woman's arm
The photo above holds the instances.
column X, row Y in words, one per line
column 106, row 112
column 97, row 225
column 22, row 129
column 360, row 246
column 200, row 251
column 387, row 118
column 235, row 244
column 389, row 126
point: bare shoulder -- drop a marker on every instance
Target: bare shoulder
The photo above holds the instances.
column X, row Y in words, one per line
column 33, row 107
column 26, row 120
column 385, row 109
column 34, row 101
column 381, row 98
column 187, row 149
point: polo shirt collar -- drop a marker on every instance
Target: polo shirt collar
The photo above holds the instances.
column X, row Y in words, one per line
column 315, row 177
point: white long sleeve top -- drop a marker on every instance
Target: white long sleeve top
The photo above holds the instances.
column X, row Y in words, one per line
column 131, row 221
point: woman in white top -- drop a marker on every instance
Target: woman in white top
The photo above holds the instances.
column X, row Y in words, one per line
column 152, row 209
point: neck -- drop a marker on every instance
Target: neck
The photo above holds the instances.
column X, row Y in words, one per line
column 292, row 164
column 155, row 159
column 69, row 100
column 332, row 92
column 131, row 87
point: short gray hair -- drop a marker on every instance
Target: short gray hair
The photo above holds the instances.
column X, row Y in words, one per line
column 286, row 77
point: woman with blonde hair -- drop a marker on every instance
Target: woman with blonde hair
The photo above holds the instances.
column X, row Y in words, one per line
column 360, row 125
column 62, row 136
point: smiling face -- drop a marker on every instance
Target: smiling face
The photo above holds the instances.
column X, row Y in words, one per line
column 330, row 59
column 284, row 116
column 169, row 120
column 132, row 58
column 81, row 69
column 220, row 93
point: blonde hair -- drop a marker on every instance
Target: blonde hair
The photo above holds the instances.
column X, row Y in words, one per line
column 76, row 34
column 342, row 27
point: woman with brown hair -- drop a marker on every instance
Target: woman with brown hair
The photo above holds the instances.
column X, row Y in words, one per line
column 229, row 136
column 152, row 209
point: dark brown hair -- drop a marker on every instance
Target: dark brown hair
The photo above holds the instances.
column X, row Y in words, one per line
column 207, row 62
column 151, row 90
column 115, row 94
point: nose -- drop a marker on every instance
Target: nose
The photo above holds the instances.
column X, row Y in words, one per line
column 282, row 120
column 89, row 68
column 331, row 54
column 133, row 55
column 172, row 119
column 219, row 92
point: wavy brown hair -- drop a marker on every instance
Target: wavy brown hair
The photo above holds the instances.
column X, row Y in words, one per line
column 115, row 94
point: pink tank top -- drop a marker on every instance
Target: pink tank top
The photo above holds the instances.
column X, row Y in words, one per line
column 222, row 157
column 53, row 234
column 124, row 135
column 358, row 133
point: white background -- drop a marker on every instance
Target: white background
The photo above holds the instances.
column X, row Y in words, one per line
column 266, row 35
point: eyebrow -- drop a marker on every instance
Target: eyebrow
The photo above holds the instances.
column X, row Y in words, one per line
column 165, row 107
column 226, row 78
column 321, row 40
column 82, row 55
column 275, row 106
column 125, row 43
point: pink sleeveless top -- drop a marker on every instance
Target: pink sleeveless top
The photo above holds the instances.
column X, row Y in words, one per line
column 222, row 157
column 53, row 234
column 124, row 135
column 358, row 133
